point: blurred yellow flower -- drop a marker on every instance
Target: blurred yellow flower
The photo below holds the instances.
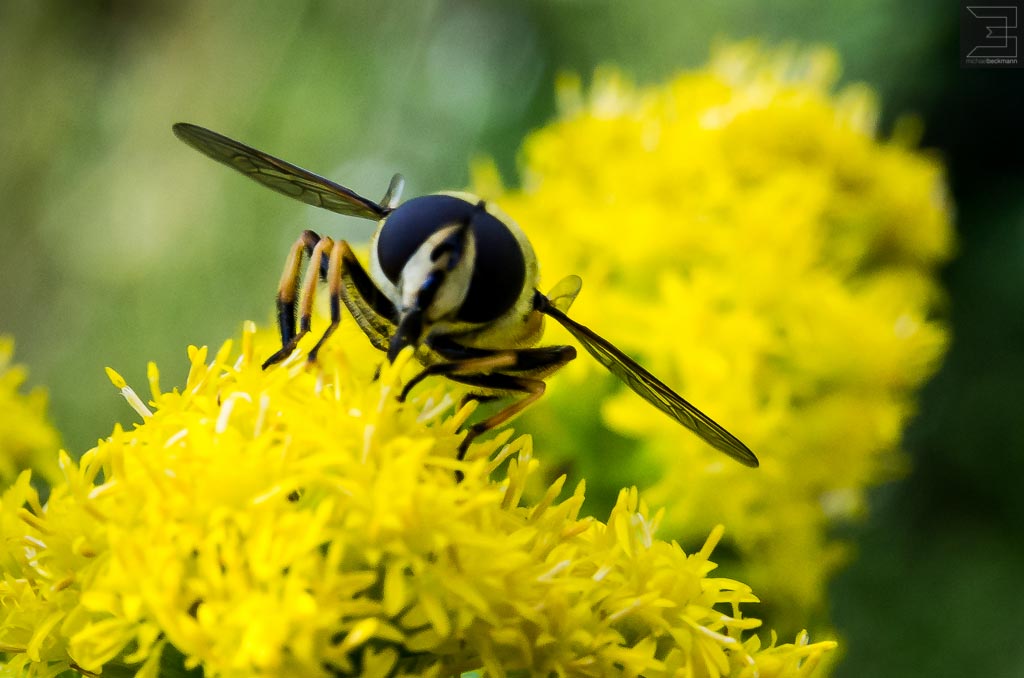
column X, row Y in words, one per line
column 303, row 522
column 27, row 438
column 742, row 231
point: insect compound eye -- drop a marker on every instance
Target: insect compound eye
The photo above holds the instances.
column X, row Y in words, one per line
column 499, row 271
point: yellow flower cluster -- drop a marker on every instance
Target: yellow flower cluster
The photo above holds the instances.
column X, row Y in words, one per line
column 742, row 232
column 302, row 522
column 27, row 438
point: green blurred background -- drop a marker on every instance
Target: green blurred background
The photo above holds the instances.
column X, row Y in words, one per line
column 119, row 245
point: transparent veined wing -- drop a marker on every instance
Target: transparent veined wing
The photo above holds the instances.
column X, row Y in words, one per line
column 281, row 176
column 651, row 389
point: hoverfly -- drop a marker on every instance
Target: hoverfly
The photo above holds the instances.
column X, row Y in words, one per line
column 451, row 276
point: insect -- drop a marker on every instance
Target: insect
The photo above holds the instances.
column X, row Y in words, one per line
column 450, row 275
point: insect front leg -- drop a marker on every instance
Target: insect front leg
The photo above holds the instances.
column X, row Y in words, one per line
column 371, row 309
column 349, row 283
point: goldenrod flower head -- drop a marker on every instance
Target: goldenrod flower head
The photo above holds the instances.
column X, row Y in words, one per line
column 27, row 438
column 743, row 232
column 302, row 522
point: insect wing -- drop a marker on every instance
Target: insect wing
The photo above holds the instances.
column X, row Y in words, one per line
column 651, row 389
column 278, row 175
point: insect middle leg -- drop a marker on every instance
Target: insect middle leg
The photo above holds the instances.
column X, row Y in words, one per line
column 523, row 376
column 288, row 292
column 347, row 282
column 532, row 388
column 477, row 365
